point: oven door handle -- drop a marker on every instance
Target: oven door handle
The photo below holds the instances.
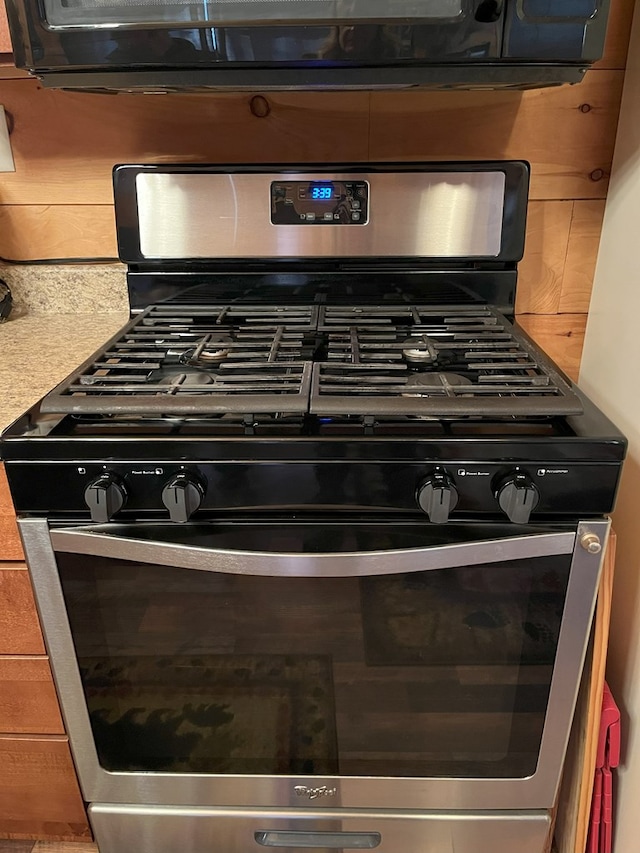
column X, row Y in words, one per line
column 337, row 564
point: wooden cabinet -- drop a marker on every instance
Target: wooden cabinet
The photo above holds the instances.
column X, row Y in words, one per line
column 19, row 629
column 39, row 796
column 39, row 793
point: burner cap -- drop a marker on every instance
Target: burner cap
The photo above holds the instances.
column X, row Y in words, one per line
column 187, row 379
column 211, row 351
column 426, row 383
column 419, row 349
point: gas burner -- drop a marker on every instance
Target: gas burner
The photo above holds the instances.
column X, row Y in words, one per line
column 419, row 349
column 212, row 350
column 190, row 379
column 429, row 383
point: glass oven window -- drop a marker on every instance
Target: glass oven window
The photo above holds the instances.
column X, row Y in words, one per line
column 430, row 673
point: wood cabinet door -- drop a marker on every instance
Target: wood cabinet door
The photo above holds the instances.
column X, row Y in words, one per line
column 28, row 701
column 39, row 794
column 20, row 632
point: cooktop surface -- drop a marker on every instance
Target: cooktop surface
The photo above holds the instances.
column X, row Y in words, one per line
column 372, row 360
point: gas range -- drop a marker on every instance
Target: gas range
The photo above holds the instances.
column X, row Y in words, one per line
column 403, row 378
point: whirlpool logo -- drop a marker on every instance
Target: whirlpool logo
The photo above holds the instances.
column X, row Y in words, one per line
column 314, row 793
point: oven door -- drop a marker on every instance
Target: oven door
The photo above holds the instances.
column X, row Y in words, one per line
column 352, row 664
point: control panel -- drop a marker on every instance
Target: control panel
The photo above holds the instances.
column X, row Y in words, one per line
column 319, row 202
column 443, row 491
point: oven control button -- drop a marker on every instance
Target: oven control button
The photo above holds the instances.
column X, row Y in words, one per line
column 105, row 497
column 182, row 496
column 518, row 497
column 437, row 496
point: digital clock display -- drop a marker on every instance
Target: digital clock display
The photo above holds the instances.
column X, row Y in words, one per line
column 321, row 192
column 320, row 202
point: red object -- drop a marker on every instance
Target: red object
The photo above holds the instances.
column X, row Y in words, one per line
column 593, row 840
column 607, row 812
column 607, row 757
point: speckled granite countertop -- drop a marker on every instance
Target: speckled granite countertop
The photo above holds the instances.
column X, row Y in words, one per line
column 61, row 315
column 39, row 350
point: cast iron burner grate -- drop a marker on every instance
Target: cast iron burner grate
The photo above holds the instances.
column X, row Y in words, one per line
column 424, row 361
column 444, row 362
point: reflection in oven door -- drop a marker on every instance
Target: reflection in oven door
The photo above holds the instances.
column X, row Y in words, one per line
column 430, row 673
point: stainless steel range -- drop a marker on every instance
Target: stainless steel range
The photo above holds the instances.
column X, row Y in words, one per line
column 316, row 537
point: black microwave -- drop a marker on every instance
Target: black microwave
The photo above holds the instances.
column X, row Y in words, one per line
column 194, row 45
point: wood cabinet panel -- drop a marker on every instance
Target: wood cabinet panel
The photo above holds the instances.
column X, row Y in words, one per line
column 567, row 133
column 39, row 794
column 28, row 701
column 10, row 544
column 20, row 632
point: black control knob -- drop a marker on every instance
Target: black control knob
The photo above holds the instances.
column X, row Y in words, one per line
column 182, row 496
column 437, row 496
column 518, row 497
column 105, row 497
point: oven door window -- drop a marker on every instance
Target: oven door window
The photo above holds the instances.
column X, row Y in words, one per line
column 429, row 672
